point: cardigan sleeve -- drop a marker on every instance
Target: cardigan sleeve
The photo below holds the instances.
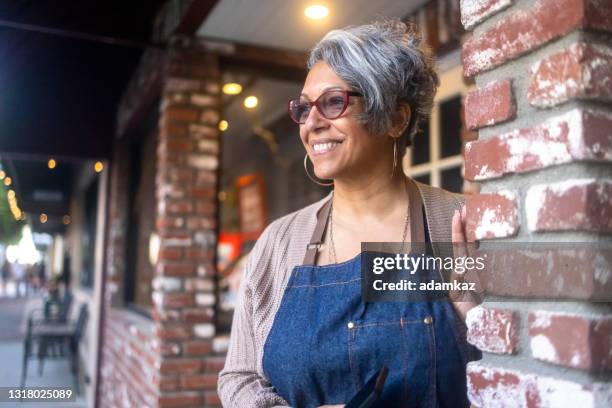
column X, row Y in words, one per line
column 240, row 385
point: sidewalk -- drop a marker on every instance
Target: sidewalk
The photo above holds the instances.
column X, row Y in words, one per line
column 56, row 372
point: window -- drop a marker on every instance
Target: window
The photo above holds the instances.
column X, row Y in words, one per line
column 436, row 157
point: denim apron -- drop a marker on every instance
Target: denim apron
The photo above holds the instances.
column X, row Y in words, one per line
column 325, row 342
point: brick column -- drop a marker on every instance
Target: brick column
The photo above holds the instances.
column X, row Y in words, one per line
column 543, row 158
column 186, row 190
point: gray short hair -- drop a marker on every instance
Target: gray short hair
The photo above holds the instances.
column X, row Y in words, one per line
column 386, row 62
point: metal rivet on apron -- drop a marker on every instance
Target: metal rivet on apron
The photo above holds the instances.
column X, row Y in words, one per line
column 351, row 325
column 428, row 320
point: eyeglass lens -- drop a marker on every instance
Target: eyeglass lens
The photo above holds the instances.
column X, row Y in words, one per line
column 331, row 104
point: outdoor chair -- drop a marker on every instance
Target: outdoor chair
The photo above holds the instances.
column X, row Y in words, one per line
column 51, row 340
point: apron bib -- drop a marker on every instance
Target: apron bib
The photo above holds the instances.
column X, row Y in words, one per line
column 325, row 342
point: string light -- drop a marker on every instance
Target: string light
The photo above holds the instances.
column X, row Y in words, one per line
column 250, row 102
column 223, row 125
column 51, row 163
column 232, row 88
column 98, row 167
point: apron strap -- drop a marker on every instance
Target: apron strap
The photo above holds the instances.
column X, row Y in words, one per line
column 417, row 227
column 416, row 223
column 312, row 250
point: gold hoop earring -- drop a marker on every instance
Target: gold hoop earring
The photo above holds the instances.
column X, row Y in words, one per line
column 394, row 157
column 314, row 180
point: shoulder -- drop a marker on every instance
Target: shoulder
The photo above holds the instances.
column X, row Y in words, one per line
column 283, row 242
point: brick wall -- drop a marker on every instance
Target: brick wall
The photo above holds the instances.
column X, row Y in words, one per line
column 186, row 180
column 543, row 156
column 168, row 361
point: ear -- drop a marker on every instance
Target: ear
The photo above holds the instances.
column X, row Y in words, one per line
column 401, row 119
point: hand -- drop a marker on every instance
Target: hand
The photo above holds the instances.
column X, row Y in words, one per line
column 462, row 300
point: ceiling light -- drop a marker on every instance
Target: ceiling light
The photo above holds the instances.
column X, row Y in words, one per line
column 232, row 88
column 98, row 167
column 316, row 12
column 223, row 125
column 250, row 102
column 51, row 163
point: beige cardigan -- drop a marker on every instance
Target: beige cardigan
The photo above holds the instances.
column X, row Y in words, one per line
column 280, row 248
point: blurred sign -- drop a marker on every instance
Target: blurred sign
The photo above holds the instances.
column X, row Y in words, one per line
column 251, row 205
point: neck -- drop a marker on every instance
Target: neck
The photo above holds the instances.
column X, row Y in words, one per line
column 366, row 197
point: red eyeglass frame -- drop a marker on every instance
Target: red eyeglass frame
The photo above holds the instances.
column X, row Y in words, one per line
column 347, row 95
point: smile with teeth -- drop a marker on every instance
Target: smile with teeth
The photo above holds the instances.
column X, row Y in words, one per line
column 324, row 147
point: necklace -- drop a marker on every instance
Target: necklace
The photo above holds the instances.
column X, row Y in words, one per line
column 331, row 233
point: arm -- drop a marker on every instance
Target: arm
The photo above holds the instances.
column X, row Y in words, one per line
column 239, row 385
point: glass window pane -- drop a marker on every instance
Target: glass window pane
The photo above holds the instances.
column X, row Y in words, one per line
column 424, row 178
column 420, row 149
column 450, row 126
column 452, row 180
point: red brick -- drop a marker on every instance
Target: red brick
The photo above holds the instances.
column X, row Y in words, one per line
column 170, row 254
column 581, row 71
column 178, row 206
column 517, row 33
column 214, row 364
column 175, row 145
column 212, row 399
column 199, row 381
column 198, row 223
column 202, row 193
column 183, row 114
column 180, row 175
column 490, row 105
column 175, row 300
column 475, row 11
column 167, row 268
column 572, row 136
column 206, row 208
column 163, row 222
column 493, row 330
column 490, row 386
column 491, row 216
column 199, row 254
column 168, row 383
column 587, row 348
column 206, row 178
column 168, row 349
column 210, row 117
column 180, row 366
column 170, row 129
column 198, row 347
column 179, row 400
column 197, row 315
column 547, row 270
column 167, row 331
column 579, row 204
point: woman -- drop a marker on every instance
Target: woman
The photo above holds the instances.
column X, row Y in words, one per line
column 301, row 335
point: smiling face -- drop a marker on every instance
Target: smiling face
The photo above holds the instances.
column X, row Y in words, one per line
column 340, row 148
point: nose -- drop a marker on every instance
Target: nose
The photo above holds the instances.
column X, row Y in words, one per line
column 314, row 120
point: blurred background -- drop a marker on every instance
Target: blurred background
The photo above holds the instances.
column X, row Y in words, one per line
column 144, row 146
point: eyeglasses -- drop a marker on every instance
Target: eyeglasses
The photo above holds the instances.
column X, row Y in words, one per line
column 331, row 105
